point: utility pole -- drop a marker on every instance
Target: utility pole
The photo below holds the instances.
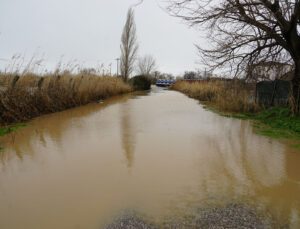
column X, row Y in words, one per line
column 118, row 59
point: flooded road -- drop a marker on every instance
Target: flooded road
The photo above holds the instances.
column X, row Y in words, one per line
column 158, row 153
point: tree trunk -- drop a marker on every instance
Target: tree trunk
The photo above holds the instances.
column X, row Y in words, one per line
column 295, row 104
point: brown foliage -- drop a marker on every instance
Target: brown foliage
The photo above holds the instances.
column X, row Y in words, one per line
column 228, row 96
column 28, row 96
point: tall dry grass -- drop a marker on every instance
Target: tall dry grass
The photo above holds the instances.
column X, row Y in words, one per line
column 28, row 96
column 225, row 95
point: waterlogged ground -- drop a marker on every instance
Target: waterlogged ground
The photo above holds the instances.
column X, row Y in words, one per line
column 159, row 154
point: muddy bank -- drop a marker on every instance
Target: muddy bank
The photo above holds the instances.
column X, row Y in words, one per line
column 229, row 216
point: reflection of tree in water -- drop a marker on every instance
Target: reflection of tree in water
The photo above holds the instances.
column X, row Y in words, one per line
column 50, row 128
column 247, row 158
column 235, row 164
column 127, row 134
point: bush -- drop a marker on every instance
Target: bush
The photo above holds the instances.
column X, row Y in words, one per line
column 140, row 83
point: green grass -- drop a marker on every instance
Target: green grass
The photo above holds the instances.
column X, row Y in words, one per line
column 276, row 133
column 4, row 131
column 12, row 128
column 296, row 146
column 9, row 129
column 276, row 122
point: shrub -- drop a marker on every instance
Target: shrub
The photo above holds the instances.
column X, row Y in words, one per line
column 140, row 83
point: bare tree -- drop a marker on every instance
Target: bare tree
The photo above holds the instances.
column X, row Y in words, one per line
column 247, row 32
column 146, row 65
column 129, row 46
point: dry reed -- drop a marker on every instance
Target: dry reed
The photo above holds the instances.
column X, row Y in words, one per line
column 28, row 96
column 225, row 95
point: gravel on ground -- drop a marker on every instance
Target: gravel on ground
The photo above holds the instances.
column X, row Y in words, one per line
column 233, row 216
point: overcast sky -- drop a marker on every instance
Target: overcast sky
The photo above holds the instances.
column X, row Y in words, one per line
column 90, row 32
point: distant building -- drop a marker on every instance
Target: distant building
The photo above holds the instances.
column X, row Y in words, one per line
column 269, row 71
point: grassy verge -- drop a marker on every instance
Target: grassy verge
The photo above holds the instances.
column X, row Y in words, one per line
column 9, row 129
column 276, row 122
column 233, row 101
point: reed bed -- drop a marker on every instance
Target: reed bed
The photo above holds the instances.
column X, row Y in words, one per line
column 225, row 95
column 28, row 96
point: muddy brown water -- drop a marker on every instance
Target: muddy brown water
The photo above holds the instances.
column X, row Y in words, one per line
column 158, row 153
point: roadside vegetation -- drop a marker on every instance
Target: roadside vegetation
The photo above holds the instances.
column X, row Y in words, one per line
column 10, row 128
column 25, row 97
column 226, row 96
column 277, row 122
column 236, row 99
column 140, row 83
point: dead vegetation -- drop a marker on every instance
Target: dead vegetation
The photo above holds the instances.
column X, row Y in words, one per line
column 28, row 96
column 226, row 95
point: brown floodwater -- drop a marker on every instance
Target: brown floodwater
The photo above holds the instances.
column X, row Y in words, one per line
column 158, row 153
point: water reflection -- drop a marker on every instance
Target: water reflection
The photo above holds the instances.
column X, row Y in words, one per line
column 50, row 130
column 70, row 166
column 239, row 163
column 127, row 134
